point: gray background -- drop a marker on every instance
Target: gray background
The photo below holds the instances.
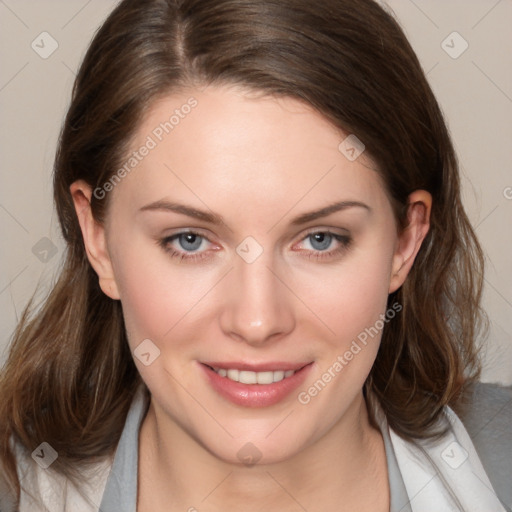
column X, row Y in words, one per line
column 474, row 88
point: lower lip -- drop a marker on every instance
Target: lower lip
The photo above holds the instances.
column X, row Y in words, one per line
column 255, row 395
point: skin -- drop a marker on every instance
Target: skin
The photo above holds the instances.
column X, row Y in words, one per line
column 259, row 162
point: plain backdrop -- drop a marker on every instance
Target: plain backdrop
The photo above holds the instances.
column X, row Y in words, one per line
column 464, row 46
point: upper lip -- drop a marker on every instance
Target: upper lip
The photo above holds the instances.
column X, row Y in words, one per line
column 257, row 367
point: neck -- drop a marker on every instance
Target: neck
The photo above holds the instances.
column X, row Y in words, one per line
column 344, row 470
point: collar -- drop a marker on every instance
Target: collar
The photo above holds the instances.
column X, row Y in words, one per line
column 120, row 493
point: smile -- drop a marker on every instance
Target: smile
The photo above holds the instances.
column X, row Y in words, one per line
column 255, row 385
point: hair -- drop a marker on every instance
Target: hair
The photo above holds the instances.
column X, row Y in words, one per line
column 70, row 377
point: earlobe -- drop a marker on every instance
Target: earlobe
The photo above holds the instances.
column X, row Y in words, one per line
column 94, row 237
column 411, row 238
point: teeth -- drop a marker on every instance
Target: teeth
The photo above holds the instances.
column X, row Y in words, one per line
column 248, row 377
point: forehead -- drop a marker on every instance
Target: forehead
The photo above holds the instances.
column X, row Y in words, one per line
column 231, row 147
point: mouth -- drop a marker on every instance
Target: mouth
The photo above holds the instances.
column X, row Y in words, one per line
column 255, row 385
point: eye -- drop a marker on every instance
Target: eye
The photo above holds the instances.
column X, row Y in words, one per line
column 185, row 245
column 325, row 244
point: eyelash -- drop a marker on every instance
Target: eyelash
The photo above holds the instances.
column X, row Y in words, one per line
column 344, row 240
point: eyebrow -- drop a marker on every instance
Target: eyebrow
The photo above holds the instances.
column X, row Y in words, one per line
column 215, row 219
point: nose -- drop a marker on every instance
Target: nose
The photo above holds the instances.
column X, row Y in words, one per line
column 257, row 307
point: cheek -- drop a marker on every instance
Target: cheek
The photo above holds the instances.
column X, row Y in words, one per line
column 353, row 304
column 350, row 297
column 156, row 295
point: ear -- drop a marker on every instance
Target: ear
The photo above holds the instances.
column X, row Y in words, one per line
column 410, row 239
column 94, row 238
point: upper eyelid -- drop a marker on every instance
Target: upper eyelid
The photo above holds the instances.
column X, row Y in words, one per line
column 326, row 230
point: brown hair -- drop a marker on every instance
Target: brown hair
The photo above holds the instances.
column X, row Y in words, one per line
column 70, row 378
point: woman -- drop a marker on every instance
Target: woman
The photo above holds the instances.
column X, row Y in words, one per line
column 271, row 293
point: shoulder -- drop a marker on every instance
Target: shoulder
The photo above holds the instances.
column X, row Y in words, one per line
column 45, row 490
column 487, row 416
column 445, row 473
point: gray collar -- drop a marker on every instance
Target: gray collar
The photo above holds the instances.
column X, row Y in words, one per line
column 120, row 493
column 121, row 488
column 399, row 499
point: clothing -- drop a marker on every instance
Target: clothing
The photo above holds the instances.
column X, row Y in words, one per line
column 487, row 415
column 424, row 476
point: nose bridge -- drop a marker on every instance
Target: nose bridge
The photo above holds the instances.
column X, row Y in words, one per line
column 257, row 304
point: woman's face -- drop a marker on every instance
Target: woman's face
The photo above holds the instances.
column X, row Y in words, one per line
column 224, row 251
